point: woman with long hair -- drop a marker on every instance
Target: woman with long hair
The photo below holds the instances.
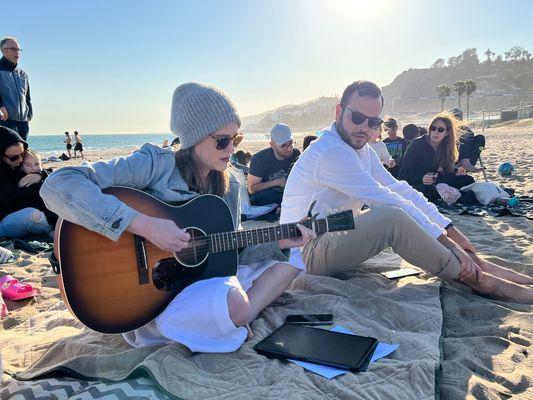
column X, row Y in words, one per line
column 211, row 315
column 429, row 163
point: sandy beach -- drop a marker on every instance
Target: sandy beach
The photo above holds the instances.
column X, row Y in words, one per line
column 485, row 344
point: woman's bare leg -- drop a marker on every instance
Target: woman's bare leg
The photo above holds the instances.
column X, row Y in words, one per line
column 269, row 286
column 501, row 272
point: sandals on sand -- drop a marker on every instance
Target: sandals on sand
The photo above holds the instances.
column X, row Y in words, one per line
column 11, row 289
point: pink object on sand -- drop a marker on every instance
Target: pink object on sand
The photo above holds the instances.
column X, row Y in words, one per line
column 448, row 193
column 11, row 289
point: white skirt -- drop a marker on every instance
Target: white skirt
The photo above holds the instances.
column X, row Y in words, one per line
column 198, row 317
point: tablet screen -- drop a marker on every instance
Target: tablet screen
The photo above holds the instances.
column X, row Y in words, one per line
column 318, row 346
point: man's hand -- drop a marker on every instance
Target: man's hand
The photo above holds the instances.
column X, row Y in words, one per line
column 392, row 163
column 307, row 235
column 281, row 181
column 429, row 178
column 4, row 115
column 30, row 179
column 461, row 240
column 163, row 233
column 470, row 271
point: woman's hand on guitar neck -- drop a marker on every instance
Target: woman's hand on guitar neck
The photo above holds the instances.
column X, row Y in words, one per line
column 307, row 235
column 163, row 233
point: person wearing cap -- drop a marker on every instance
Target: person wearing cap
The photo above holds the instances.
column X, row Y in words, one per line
column 15, row 101
column 270, row 167
column 21, row 207
column 470, row 145
column 339, row 170
column 396, row 145
column 211, row 315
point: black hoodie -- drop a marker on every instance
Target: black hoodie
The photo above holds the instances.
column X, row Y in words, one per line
column 13, row 198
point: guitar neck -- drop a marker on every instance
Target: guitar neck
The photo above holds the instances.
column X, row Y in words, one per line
column 234, row 240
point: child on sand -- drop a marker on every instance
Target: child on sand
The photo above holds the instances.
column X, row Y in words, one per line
column 78, row 146
column 68, row 142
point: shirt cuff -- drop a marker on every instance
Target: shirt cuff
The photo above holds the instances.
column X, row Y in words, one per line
column 118, row 222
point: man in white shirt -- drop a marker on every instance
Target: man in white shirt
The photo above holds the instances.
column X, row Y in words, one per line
column 340, row 171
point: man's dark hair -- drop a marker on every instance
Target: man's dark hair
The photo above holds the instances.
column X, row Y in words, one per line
column 363, row 88
column 308, row 139
column 410, row 131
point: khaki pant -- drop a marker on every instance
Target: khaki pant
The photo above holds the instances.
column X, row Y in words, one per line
column 382, row 227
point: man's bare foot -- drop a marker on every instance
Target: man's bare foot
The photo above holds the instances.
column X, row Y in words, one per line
column 501, row 272
column 501, row 288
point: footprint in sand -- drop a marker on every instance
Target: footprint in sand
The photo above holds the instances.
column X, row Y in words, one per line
column 25, row 263
column 49, row 281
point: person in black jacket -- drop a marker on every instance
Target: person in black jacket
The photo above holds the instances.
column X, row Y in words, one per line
column 429, row 164
column 21, row 207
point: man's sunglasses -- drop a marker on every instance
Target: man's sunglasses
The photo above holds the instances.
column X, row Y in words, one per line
column 224, row 141
column 15, row 158
column 440, row 129
column 358, row 118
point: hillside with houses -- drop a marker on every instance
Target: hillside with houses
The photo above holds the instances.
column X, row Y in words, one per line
column 491, row 82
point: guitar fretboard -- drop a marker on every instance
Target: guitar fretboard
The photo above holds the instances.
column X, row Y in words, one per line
column 234, row 240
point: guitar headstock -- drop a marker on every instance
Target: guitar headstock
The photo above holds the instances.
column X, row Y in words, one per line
column 341, row 221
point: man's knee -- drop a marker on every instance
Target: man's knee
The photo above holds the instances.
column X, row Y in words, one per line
column 239, row 307
column 392, row 214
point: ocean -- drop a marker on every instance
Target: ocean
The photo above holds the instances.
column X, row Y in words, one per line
column 53, row 144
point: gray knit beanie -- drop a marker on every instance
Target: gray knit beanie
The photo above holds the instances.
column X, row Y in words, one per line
column 198, row 110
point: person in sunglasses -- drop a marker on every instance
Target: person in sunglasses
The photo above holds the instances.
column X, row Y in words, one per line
column 270, row 167
column 340, row 171
column 15, row 101
column 21, row 207
column 429, row 164
column 211, row 315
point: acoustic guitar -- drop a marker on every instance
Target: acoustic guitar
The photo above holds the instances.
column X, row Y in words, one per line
column 118, row 286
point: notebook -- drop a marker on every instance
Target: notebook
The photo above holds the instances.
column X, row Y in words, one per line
column 319, row 346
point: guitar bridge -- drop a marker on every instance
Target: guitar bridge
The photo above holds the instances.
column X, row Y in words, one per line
column 142, row 263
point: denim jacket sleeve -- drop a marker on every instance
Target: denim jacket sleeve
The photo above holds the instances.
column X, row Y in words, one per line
column 75, row 193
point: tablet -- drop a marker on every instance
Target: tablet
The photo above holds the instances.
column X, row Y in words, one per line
column 319, row 346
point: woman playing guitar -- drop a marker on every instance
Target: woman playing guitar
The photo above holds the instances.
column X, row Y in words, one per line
column 210, row 315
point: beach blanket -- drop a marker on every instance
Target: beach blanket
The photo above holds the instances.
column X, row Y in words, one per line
column 523, row 209
column 407, row 312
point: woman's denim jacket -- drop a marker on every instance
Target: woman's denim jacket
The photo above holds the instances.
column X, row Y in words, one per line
column 74, row 193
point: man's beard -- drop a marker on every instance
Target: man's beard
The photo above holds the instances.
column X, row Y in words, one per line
column 345, row 135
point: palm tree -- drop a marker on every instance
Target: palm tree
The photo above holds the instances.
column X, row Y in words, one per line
column 490, row 54
column 470, row 87
column 460, row 88
column 443, row 91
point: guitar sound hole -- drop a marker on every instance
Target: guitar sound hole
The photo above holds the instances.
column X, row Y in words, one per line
column 169, row 275
column 197, row 251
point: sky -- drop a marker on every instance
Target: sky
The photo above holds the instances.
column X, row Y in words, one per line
column 111, row 66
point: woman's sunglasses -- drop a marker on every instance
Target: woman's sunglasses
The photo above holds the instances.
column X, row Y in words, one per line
column 440, row 129
column 15, row 158
column 224, row 141
column 358, row 118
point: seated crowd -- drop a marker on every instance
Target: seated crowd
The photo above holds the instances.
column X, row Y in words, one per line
column 337, row 170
